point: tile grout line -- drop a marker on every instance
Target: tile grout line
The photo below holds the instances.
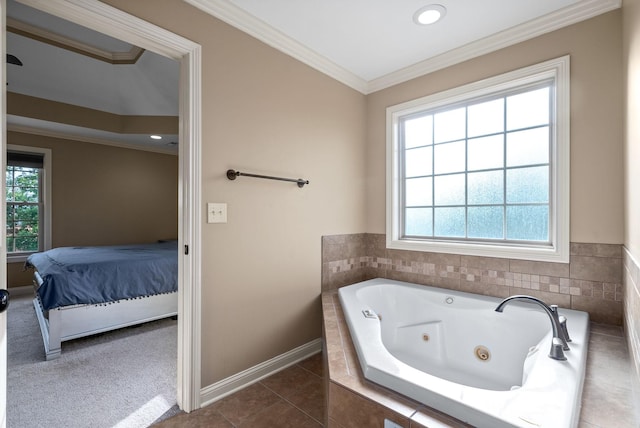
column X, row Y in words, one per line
column 291, row 403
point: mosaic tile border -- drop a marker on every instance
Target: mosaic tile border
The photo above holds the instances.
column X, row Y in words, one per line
column 550, row 284
column 592, row 281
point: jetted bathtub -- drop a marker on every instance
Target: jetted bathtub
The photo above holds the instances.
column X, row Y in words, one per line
column 453, row 352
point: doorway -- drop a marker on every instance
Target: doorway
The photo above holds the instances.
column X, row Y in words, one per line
column 113, row 22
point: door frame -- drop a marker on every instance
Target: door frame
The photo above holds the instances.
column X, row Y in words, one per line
column 120, row 25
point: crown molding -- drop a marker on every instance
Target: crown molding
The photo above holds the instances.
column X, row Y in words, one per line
column 170, row 150
column 45, row 36
column 240, row 19
column 237, row 17
column 112, row 22
column 554, row 21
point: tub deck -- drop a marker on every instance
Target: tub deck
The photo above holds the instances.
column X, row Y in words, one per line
column 352, row 398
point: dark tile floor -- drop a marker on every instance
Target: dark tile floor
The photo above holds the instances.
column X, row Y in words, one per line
column 293, row 397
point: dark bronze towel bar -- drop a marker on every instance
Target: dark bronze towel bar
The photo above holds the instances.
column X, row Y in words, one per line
column 232, row 175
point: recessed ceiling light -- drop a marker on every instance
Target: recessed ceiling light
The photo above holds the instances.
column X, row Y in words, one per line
column 155, row 137
column 428, row 15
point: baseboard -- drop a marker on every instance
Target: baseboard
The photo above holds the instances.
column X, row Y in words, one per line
column 21, row 291
column 221, row 389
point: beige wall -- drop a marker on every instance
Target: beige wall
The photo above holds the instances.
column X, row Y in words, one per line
column 266, row 113
column 631, row 54
column 104, row 195
column 596, row 120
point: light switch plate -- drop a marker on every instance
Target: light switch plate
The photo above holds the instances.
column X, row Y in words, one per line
column 216, row 212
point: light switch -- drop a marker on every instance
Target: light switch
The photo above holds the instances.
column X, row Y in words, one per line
column 216, row 212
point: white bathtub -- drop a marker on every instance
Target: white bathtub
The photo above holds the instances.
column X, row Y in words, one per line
column 451, row 351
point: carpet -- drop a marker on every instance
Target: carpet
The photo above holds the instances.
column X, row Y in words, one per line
column 124, row 378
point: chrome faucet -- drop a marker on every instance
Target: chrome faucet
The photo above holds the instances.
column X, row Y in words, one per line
column 558, row 324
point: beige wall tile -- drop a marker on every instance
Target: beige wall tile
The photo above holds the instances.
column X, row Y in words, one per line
column 486, row 263
column 596, row 250
column 602, row 311
column 338, row 247
column 603, row 269
column 594, row 274
column 562, row 300
column 353, row 411
column 494, row 290
column 376, row 245
column 539, row 268
column 631, row 299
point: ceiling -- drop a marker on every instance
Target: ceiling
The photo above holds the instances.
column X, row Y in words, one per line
column 71, row 64
column 373, row 44
column 366, row 44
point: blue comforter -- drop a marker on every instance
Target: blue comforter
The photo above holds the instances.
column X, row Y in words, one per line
column 92, row 275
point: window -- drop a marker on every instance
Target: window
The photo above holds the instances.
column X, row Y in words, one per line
column 484, row 169
column 27, row 190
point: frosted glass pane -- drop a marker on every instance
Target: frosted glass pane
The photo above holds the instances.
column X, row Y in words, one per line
column 526, row 185
column 449, row 125
column 528, row 223
column 418, row 131
column 418, row 162
column 449, row 190
column 449, row 157
column 528, row 109
column 449, row 222
column 485, row 188
column 485, row 118
column 418, row 222
column 418, row 191
column 486, row 153
column 528, row 147
column 485, row 222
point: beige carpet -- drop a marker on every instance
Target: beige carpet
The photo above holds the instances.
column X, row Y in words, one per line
column 125, row 378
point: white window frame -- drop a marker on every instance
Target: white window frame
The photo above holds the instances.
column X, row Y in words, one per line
column 46, row 199
column 559, row 198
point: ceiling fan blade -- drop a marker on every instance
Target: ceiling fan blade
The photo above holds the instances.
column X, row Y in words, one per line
column 12, row 59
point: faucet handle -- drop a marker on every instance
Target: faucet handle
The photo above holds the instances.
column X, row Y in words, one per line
column 563, row 327
column 556, row 351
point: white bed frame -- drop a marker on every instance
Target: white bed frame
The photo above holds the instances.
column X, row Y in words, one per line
column 71, row 322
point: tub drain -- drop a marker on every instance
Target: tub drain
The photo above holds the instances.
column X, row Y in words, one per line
column 482, row 353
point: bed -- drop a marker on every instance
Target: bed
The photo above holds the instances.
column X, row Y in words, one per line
column 81, row 291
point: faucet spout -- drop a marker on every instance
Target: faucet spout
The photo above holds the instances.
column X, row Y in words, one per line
column 559, row 341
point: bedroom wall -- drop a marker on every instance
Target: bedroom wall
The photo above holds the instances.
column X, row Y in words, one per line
column 104, row 195
column 266, row 113
column 631, row 54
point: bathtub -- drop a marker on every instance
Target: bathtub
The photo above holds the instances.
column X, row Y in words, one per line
column 451, row 351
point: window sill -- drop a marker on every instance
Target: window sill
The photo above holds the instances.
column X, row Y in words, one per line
column 559, row 254
column 18, row 258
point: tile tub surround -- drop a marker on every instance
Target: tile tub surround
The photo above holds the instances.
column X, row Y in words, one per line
column 590, row 282
column 354, row 402
column 632, row 316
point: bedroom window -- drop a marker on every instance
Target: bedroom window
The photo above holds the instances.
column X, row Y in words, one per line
column 483, row 169
column 27, row 216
